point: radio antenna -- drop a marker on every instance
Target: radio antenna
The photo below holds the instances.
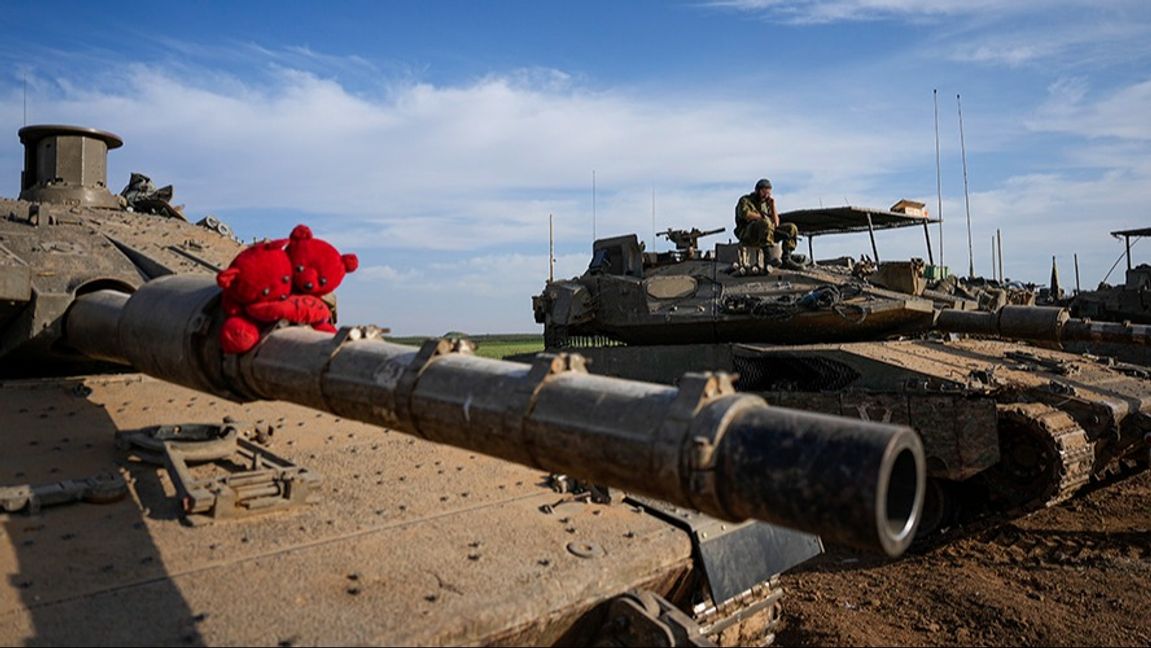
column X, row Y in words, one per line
column 994, row 276
column 966, row 196
column 999, row 242
column 938, row 178
column 551, row 250
column 593, row 205
column 653, row 218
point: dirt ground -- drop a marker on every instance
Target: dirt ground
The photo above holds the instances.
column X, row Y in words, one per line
column 1076, row 574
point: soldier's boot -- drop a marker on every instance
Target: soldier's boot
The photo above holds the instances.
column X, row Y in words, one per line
column 791, row 264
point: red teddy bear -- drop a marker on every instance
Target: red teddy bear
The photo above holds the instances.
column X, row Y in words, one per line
column 257, row 290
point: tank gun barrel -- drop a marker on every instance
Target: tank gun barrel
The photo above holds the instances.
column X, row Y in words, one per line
column 1045, row 323
column 700, row 445
column 1120, row 332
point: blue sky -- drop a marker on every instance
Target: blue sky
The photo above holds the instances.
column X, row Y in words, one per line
column 433, row 139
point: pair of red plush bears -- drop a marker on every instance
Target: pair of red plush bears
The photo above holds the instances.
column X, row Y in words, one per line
column 279, row 280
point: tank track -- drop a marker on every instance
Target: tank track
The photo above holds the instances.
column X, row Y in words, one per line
column 1045, row 456
column 1009, row 489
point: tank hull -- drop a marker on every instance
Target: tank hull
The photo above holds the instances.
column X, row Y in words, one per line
column 412, row 543
column 972, row 402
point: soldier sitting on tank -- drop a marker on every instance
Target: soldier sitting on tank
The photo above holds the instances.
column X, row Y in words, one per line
column 757, row 223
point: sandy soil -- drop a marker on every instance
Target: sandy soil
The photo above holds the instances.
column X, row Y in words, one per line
column 1075, row 574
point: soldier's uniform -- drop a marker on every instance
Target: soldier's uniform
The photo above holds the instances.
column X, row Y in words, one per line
column 762, row 232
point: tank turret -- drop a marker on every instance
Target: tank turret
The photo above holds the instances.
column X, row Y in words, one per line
column 68, row 235
column 647, row 298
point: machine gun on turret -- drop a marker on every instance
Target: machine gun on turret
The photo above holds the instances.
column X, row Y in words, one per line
column 687, row 240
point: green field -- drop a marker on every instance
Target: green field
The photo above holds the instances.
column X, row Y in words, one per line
column 497, row 345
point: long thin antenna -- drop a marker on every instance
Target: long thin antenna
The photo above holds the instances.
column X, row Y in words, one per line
column 653, row 219
column 999, row 240
column 938, row 178
column 25, row 97
column 966, row 196
column 994, row 276
column 1077, row 290
column 593, row 204
column 551, row 250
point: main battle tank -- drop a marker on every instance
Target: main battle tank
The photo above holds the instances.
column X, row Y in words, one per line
column 1006, row 425
column 415, row 495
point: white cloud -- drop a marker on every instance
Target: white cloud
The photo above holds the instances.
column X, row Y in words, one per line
column 1095, row 38
column 1071, row 33
column 819, row 11
column 1124, row 113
